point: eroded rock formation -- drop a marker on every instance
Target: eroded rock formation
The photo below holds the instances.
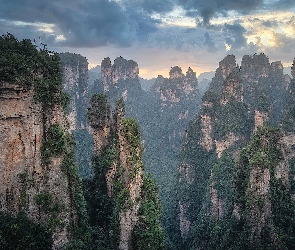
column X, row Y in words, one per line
column 28, row 184
column 121, row 70
column 117, row 146
column 75, row 84
column 239, row 102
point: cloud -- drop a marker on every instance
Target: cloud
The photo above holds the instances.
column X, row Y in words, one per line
column 280, row 5
column 178, row 38
column 191, row 27
column 155, row 6
column 207, row 9
column 234, row 35
column 209, row 43
column 270, row 23
column 83, row 23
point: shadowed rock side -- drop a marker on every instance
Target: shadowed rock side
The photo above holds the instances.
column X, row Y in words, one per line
column 75, row 84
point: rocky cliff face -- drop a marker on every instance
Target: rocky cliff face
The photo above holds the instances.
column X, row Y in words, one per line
column 42, row 191
column 264, row 86
column 132, row 176
column 267, row 164
column 123, row 169
column 75, row 83
column 293, row 69
column 37, row 169
column 21, row 140
column 99, row 118
column 118, row 147
column 255, row 67
column 238, row 103
column 214, row 132
column 226, row 66
column 177, row 99
column 177, row 88
column 122, row 70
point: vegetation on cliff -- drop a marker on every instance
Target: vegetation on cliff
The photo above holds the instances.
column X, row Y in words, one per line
column 38, row 70
column 108, row 198
column 241, row 226
column 22, row 63
column 245, row 199
column 22, row 233
column 235, row 186
column 148, row 232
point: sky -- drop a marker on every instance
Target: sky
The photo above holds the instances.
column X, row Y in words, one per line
column 157, row 34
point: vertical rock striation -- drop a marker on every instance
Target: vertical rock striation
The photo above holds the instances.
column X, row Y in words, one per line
column 118, row 76
column 75, row 84
column 118, row 150
column 34, row 146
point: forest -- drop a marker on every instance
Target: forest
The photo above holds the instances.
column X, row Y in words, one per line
column 94, row 160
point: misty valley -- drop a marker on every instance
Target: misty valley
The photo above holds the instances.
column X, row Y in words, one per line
column 104, row 159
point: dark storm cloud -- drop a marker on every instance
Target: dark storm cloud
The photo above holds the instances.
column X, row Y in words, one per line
column 234, row 35
column 282, row 5
column 209, row 43
column 208, row 8
column 83, row 23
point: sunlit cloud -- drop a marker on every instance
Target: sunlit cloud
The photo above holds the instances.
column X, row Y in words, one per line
column 60, row 38
column 48, row 28
column 157, row 34
column 262, row 29
column 227, row 47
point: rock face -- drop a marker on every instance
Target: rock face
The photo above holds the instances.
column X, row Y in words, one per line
column 162, row 113
column 213, row 132
column 37, row 170
column 124, row 202
column 255, row 67
column 24, row 177
column 293, row 69
column 124, row 175
column 226, row 66
column 184, row 222
column 132, row 177
column 178, row 88
column 206, row 140
column 232, row 89
column 75, row 83
column 260, row 118
column 267, row 178
column 239, row 102
column 99, row 117
column 177, row 99
column 122, row 69
column 21, row 139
